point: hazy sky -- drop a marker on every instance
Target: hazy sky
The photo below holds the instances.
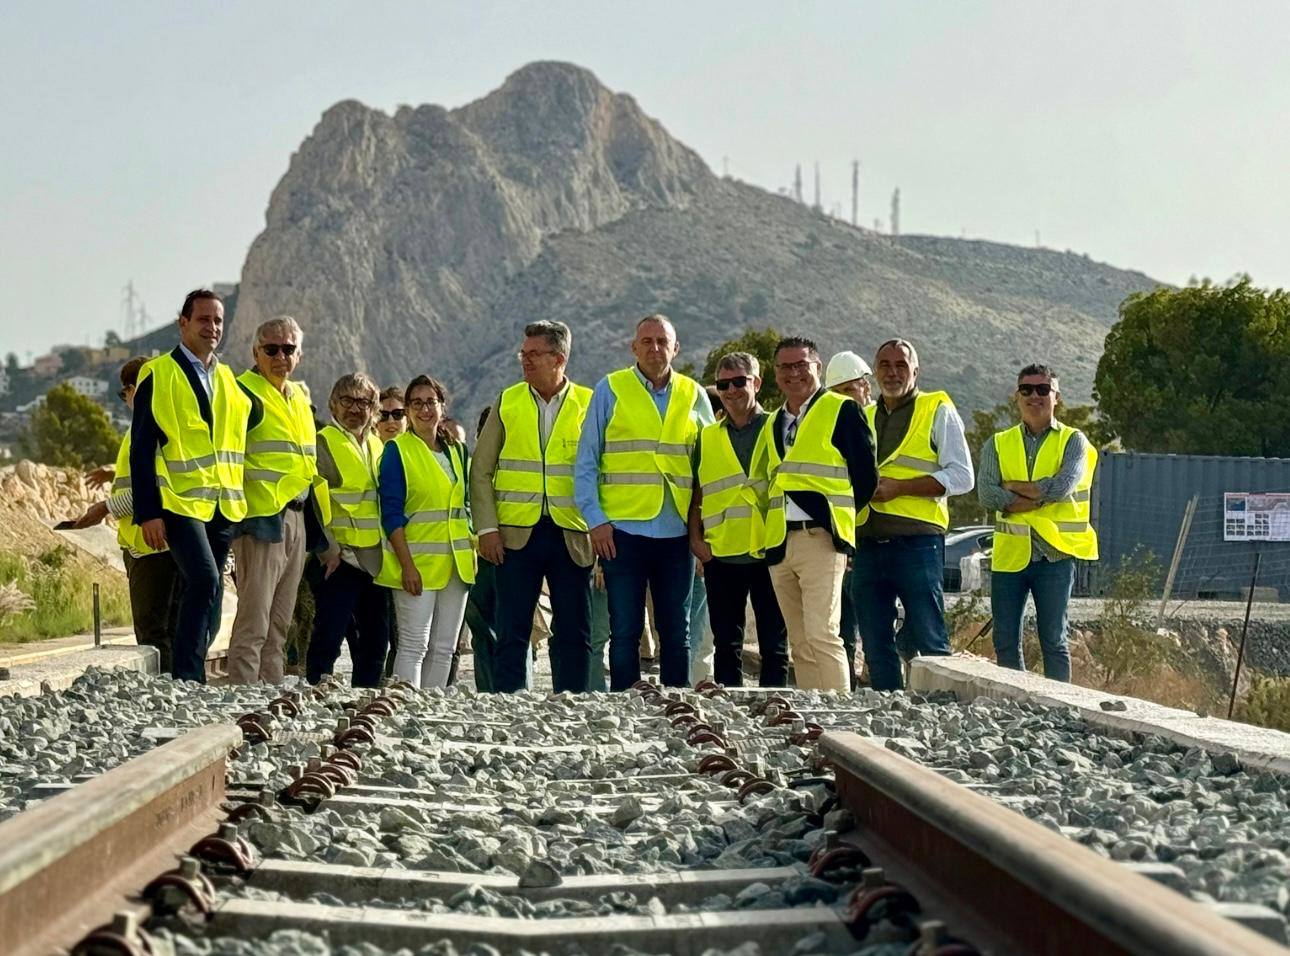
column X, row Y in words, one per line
column 142, row 140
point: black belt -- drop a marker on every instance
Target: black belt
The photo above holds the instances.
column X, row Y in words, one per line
column 802, row 525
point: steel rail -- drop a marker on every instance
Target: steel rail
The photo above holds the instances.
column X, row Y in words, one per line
column 68, row 864
column 1034, row 891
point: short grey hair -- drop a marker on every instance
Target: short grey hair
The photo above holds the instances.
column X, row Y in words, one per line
column 355, row 382
column 282, row 323
column 558, row 335
column 899, row 343
column 744, row 362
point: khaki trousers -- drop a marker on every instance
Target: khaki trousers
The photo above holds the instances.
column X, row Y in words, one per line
column 808, row 585
column 268, row 575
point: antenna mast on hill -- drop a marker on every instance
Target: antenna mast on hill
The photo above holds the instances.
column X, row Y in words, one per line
column 797, row 183
column 895, row 212
column 136, row 319
column 855, row 192
column 816, row 205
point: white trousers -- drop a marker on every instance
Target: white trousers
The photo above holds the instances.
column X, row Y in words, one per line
column 428, row 627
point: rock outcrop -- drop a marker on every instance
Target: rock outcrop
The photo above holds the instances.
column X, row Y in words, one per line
column 423, row 241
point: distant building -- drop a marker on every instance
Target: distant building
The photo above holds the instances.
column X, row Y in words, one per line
column 31, row 406
column 47, row 366
column 89, row 387
column 4, row 381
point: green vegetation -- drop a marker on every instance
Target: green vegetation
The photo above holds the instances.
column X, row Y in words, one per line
column 59, row 597
column 70, row 431
column 1202, row 370
column 758, row 342
column 1267, row 703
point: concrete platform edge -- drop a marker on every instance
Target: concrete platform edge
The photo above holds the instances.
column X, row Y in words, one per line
column 1256, row 748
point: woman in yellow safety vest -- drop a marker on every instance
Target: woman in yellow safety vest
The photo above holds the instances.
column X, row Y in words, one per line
column 429, row 553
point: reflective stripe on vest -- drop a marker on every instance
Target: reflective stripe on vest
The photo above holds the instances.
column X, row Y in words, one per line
column 526, row 471
column 128, row 534
column 813, row 463
column 199, row 466
column 355, row 504
column 733, row 505
column 644, row 452
column 914, row 458
column 438, row 529
column 281, row 459
column 1062, row 524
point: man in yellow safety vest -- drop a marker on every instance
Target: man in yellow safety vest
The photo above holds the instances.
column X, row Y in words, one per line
column 820, row 462
column 728, row 527
column 280, row 470
column 1036, row 477
column 187, row 444
column 923, row 458
column 530, row 530
column 632, row 484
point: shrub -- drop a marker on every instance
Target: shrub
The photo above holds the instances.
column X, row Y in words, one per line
column 1267, row 703
column 61, row 594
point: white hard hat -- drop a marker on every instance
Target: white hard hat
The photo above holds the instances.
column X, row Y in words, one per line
column 845, row 367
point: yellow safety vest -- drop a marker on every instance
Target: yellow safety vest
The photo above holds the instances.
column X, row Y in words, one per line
column 438, row 530
column 812, row 463
column 128, row 534
column 914, row 458
column 199, row 466
column 355, row 503
column 734, row 503
column 1063, row 524
column 643, row 452
column 526, row 472
column 281, row 456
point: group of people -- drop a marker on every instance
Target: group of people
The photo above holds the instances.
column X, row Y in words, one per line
column 823, row 514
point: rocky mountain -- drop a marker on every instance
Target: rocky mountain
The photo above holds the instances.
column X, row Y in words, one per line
column 423, row 241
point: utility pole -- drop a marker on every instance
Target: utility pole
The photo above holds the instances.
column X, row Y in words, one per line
column 797, row 183
column 855, row 192
column 816, row 204
column 895, row 212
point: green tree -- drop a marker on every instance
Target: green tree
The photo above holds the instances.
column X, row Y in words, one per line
column 758, row 342
column 71, row 431
column 1200, row 370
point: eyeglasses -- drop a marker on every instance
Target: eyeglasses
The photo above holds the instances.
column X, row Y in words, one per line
column 349, row 401
column 419, row 403
column 271, row 349
column 532, row 354
column 802, row 366
column 738, row 381
column 1042, row 389
column 395, row 413
column 124, row 392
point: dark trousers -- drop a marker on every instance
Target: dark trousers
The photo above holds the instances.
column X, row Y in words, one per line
column 909, row 569
column 481, row 618
column 519, row 582
column 1049, row 582
column 849, row 626
column 199, row 549
column 349, row 597
column 599, row 638
column 154, row 603
column 666, row 566
column 729, row 588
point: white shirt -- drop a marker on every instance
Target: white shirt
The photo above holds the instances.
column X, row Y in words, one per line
column 791, row 510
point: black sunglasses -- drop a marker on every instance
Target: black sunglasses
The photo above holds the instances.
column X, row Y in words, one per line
column 738, row 381
column 271, row 349
column 395, row 413
column 1042, row 389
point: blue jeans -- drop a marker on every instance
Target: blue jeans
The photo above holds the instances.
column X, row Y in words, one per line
column 199, row 549
column 909, row 569
column 519, row 582
column 1050, row 584
column 667, row 567
column 698, row 620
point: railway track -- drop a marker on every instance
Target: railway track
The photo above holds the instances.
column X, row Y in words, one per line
column 656, row 821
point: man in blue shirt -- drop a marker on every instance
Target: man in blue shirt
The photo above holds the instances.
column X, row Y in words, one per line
column 638, row 551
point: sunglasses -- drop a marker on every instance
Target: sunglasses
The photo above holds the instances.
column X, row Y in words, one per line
column 395, row 413
column 738, row 381
column 1042, row 389
column 124, row 393
column 271, row 349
